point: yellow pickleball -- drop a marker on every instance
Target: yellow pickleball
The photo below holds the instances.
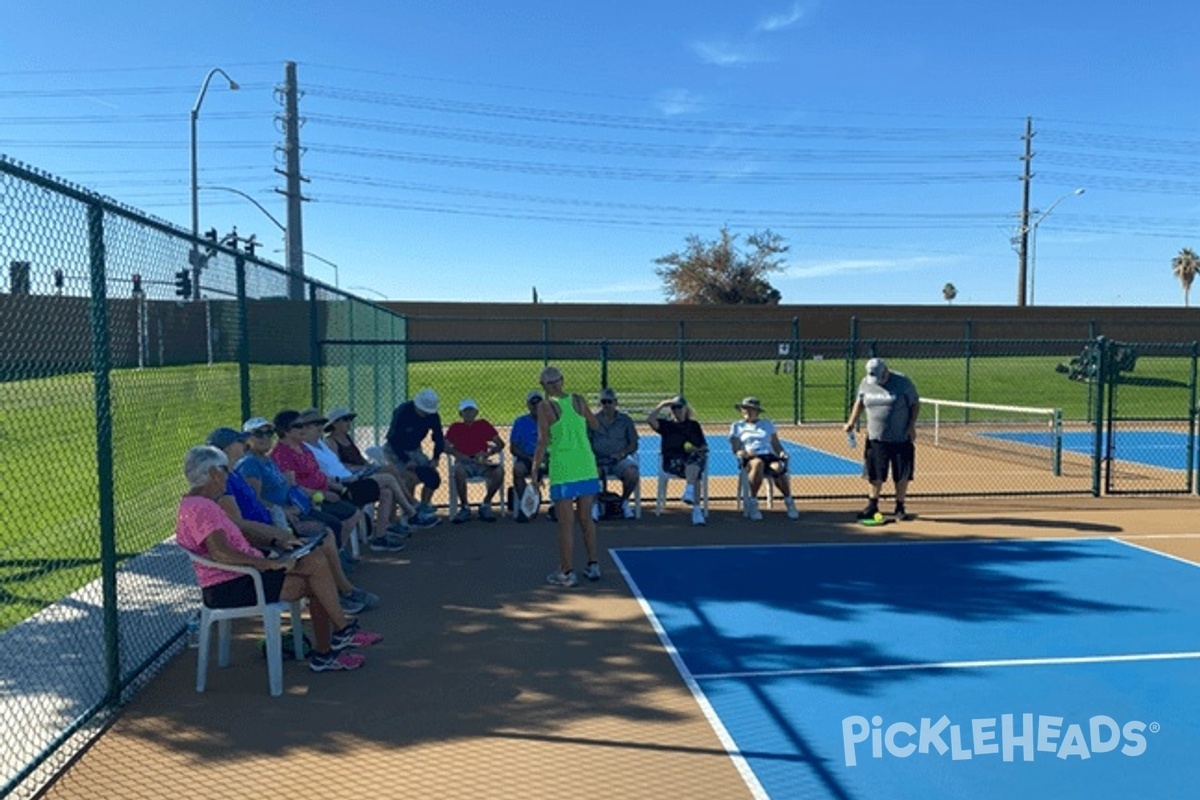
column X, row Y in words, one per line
column 879, row 516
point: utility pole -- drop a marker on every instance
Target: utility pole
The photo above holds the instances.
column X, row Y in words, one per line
column 1023, row 230
column 294, row 233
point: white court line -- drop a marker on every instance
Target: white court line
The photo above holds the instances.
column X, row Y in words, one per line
column 945, row 665
column 739, row 762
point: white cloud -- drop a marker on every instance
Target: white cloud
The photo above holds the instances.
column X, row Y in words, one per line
column 821, row 269
column 674, row 102
column 726, row 54
column 784, row 19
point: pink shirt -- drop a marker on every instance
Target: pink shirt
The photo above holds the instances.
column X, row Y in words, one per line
column 199, row 517
column 303, row 463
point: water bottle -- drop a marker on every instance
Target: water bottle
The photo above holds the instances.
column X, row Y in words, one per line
column 193, row 630
column 851, row 439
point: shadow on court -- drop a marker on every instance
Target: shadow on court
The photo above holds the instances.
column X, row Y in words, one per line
column 1030, row 523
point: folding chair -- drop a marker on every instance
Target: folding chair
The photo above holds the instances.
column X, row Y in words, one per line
column 637, row 489
column 454, row 499
column 272, row 617
column 743, row 491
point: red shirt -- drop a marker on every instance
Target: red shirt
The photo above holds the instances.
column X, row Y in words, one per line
column 473, row 439
column 303, row 463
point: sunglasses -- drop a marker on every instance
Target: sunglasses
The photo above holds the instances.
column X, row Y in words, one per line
column 265, row 434
column 676, row 407
column 535, row 401
column 608, row 402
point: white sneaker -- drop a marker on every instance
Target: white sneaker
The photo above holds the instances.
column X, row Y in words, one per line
column 593, row 571
column 752, row 509
column 564, row 579
column 689, row 495
column 791, row 508
column 697, row 515
column 626, row 511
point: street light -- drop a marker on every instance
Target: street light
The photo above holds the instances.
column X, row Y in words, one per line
column 1033, row 237
column 381, row 295
column 195, row 176
column 336, row 284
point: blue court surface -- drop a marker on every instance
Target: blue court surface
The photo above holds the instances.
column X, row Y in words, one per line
column 1166, row 449
column 941, row 670
column 802, row 460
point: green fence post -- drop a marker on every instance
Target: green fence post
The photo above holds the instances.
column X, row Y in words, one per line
column 1090, row 343
column 1100, row 348
column 795, row 371
column 1193, row 484
column 351, row 357
column 681, row 355
column 314, row 345
column 604, row 364
column 243, row 324
column 101, row 377
column 851, row 358
column 967, row 371
column 545, row 341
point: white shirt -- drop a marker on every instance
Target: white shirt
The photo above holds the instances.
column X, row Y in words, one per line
column 754, row 436
column 328, row 461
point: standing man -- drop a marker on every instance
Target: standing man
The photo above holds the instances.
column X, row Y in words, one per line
column 412, row 421
column 615, row 443
column 892, row 405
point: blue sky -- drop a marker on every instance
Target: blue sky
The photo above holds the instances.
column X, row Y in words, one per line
column 476, row 150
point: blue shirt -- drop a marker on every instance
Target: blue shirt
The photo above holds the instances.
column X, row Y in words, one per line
column 262, row 468
column 524, row 434
column 248, row 503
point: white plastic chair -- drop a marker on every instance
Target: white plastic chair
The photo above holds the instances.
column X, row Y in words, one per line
column 743, row 491
column 665, row 477
column 272, row 617
column 637, row 489
column 454, row 499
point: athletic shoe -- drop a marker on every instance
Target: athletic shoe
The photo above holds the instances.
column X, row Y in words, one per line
column 595, row 512
column 900, row 514
column 626, row 511
column 562, row 579
column 352, row 636
column 350, row 605
column 335, row 662
column 485, row 513
column 698, row 516
column 399, row 529
column 752, row 509
column 593, row 571
column 421, row 520
column 689, row 495
column 870, row 511
column 791, row 508
column 369, row 600
column 386, row 544
column 463, row 515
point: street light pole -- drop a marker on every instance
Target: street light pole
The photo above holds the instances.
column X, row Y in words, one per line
column 336, row 273
column 195, row 115
column 382, row 296
column 1033, row 237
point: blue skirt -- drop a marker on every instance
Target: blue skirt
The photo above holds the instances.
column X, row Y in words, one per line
column 574, row 489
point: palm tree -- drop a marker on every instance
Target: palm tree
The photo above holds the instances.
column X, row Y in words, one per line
column 949, row 293
column 1185, row 266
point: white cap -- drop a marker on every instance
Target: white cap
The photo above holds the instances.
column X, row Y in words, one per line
column 876, row 369
column 254, row 423
column 468, row 403
column 427, row 401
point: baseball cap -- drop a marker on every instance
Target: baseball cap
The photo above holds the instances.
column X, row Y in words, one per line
column 876, row 368
column 749, row 402
column 678, row 400
column 535, row 394
column 468, row 403
column 550, row 374
column 255, row 423
column 223, row 437
column 607, row 393
column 426, row 400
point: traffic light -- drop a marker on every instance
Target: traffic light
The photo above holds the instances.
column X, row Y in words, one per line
column 183, row 283
column 59, row 280
column 137, row 283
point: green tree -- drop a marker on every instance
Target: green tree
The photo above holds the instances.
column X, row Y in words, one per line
column 1185, row 266
column 721, row 273
column 949, row 293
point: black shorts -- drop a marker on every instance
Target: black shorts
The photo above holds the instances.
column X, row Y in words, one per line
column 676, row 463
column 240, row 590
column 772, row 464
column 900, row 457
column 362, row 491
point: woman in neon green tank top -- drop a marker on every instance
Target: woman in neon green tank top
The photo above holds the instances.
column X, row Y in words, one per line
column 563, row 423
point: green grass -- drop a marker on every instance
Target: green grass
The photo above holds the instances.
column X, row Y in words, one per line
column 49, row 526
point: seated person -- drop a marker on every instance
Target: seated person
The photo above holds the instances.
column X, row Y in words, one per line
column 300, row 466
column 241, row 504
column 615, row 445
column 204, row 529
column 340, row 441
column 523, row 441
column 474, row 442
column 412, row 421
column 684, row 448
column 759, row 452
